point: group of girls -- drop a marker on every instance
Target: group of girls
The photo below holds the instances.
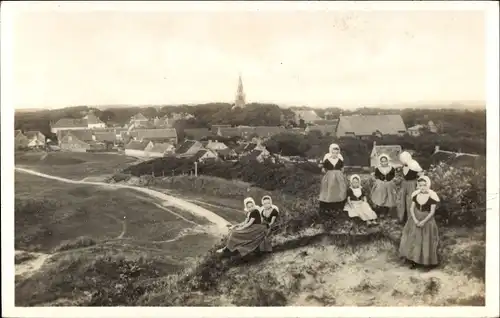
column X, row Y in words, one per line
column 253, row 233
column 415, row 203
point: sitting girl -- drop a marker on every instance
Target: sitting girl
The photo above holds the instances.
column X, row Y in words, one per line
column 356, row 204
column 250, row 235
column 269, row 212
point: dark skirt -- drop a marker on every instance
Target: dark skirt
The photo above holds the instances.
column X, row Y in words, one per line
column 420, row 244
column 249, row 239
column 384, row 194
column 404, row 199
column 333, row 187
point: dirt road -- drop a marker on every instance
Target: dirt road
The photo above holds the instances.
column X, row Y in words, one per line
column 218, row 226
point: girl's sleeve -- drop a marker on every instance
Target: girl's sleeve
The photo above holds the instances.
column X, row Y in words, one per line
column 340, row 163
column 255, row 214
column 392, row 174
column 274, row 213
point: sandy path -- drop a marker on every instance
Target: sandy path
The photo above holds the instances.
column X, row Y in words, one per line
column 219, row 224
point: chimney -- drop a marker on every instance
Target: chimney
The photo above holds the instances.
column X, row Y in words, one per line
column 436, row 149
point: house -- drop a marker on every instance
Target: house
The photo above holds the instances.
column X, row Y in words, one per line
column 157, row 150
column 139, row 120
column 82, row 135
column 20, row 140
column 163, row 122
column 215, row 145
column 159, row 135
column 93, row 122
column 136, row 148
column 361, row 126
column 226, row 154
column 196, row 133
column 308, row 116
column 325, row 130
column 392, row 151
column 69, row 124
column 205, row 155
column 107, row 137
column 326, row 122
column 35, row 139
column 247, row 132
column 456, row 159
column 416, row 130
column 188, row 148
column 70, row 142
column 245, row 148
column 258, row 155
column 432, row 127
column 179, row 116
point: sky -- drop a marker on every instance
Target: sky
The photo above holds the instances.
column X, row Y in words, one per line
column 318, row 59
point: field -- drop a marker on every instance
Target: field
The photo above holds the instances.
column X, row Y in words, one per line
column 94, row 246
column 73, row 165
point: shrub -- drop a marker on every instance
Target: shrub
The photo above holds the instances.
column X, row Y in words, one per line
column 82, row 241
column 462, row 192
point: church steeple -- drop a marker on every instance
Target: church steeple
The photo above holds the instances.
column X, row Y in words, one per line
column 240, row 95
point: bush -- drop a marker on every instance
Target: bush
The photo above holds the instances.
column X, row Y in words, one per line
column 462, row 192
column 80, row 242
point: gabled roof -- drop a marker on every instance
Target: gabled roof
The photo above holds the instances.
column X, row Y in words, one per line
column 326, row 122
column 185, row 146
column 456, row 158
column 83, row 135
column 34, row 134
column 306, row 115
column 136, row 145
column 161, row 147
column 225, row 152
column 156, row 133
column 416, row 127
column 74, row 140
column 197, row 133
column 367, row 125
column 253, row 154
column 392, row 151
column 92, row 119
column 201, row 153
column 17, row 131
column 324, row 129
column 105, row 136
column 70, row 123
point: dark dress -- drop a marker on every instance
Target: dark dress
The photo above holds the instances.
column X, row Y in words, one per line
column 251, row 238
column 420, row 244
column 384, row 190
column 408, row 186
column 333, row 185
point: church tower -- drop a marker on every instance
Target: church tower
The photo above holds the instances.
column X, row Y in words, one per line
column 240, row 95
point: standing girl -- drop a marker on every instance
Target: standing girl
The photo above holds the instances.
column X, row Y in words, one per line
column 411, row 172
column 250, row 235
column 383, row 193
column 333, row 185
column 420, row 237
column 356, row 204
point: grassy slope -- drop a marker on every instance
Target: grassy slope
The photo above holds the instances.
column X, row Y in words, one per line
column 73, row 165
column 318, row 276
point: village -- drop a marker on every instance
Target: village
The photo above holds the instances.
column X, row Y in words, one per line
column 148, row 138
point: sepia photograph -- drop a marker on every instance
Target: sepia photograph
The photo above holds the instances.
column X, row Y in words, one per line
column 316, row 158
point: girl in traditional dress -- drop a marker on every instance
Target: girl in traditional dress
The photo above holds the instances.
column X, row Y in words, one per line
column 333, row 185
column 420, row 237
column 250, row 235
column 269, row 212
column 356, row 204
column 383, row 193
column 411, row 172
